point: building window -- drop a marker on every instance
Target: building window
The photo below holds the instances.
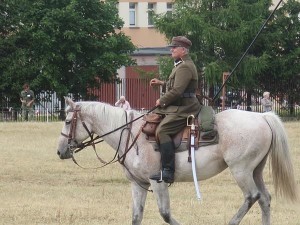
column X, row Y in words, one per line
column 132, row 14
column 151, row 13
column 169, row 8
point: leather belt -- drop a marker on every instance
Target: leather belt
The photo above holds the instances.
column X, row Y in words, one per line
column 188, row 95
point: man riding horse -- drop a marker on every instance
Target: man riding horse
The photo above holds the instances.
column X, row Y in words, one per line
column 176, row 104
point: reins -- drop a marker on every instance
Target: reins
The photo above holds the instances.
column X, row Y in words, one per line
column 85, row 144
column 91, row 142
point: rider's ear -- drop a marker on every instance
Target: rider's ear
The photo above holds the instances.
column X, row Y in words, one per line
column 69, row 102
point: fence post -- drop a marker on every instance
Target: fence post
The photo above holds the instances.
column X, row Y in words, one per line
column 47, row 114
column 225, row 76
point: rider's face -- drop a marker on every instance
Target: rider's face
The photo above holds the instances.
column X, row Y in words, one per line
column 177, row 52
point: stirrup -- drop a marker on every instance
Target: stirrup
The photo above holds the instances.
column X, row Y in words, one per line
column 160, row 180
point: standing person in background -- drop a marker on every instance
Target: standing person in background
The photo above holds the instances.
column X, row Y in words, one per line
column 266, row 102
column 123, row 103
column 27, row 98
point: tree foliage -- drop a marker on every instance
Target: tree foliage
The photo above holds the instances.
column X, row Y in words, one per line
column 283, row 46
column 221, row 31
column 60, row 45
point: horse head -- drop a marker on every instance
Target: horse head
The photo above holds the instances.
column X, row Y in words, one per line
column 74, row 131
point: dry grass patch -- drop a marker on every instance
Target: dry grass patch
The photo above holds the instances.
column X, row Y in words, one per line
column 36, row 187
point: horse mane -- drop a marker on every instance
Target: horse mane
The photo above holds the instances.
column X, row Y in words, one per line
column 104, row 112
column 101, row 111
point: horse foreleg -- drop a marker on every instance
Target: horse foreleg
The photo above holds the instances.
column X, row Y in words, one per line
column 161, row 193
column 139, row 195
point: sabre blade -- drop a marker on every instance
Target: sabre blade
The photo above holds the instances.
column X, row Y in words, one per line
column 194, row 169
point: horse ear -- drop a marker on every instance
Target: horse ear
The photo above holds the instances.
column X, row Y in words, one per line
column 69, row 102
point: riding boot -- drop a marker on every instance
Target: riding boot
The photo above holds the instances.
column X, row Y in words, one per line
column 167, row 152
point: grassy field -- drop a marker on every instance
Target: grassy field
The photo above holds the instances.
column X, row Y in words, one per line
column 36, row 187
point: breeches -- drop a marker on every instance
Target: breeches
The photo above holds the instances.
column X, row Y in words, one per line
column 27, row 113
column 169, row 126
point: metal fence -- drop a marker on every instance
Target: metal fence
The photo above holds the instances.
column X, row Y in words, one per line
column 142, row 97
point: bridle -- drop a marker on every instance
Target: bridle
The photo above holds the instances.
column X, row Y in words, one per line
column 120, row 158
column 71, row 136
column 92, row 142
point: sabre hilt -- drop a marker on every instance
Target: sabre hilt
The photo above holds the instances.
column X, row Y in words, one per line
column 190, row 122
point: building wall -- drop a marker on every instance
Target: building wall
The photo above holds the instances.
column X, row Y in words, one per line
column 142, row 34
column 145, row 37
column 145, row 60
column 150, row 60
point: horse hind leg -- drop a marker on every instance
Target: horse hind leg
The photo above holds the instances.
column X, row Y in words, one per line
column 265, row 198
column 250, row 191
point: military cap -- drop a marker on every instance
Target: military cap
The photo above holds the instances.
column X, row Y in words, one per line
column 180, row 41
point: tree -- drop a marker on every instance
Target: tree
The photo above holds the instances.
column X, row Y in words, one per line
column 61, row 45
column 10, row 22
column 221, row 31
column 283, row 47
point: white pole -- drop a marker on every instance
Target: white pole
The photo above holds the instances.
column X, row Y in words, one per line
column 47, row 115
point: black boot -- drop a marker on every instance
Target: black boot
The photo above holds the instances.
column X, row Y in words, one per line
column 167, row 152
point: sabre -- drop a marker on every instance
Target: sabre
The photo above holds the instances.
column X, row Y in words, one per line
column 192, row 147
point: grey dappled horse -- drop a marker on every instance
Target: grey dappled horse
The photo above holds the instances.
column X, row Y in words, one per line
column 246, row 140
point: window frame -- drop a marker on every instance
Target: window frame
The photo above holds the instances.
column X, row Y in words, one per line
column 132, row 14
column 169, row 6
column 151, row 12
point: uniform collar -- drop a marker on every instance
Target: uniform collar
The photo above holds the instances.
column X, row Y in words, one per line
column 180, row 60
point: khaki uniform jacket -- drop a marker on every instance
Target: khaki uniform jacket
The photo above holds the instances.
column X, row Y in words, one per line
column 27, row 96
column 183, row 79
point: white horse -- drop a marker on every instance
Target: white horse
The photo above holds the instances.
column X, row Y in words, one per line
column 245, row 141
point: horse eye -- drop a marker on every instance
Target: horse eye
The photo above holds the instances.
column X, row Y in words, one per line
column 67, row 122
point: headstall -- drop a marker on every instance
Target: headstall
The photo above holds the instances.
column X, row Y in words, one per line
column 71, row 136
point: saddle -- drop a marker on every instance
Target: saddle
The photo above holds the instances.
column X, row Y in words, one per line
column 206, row 131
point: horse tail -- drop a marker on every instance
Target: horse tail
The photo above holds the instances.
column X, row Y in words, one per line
column 282, row 168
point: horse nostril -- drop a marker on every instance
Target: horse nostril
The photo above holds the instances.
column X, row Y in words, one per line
column 58, row 153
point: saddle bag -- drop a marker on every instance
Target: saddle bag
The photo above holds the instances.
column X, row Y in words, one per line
column 152, row 121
